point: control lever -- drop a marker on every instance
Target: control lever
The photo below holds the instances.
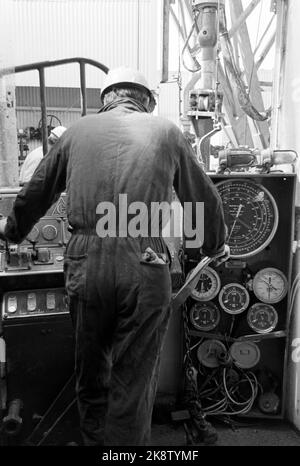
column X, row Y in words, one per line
column 191, row 282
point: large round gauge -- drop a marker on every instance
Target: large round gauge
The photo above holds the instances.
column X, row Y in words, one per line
column 234, row 298
column 204, row 316
column 251, row 216
column 208, row 286
column 270, row 285
column 262, row 318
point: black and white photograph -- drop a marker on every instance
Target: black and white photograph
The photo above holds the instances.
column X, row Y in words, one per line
column 149, row 228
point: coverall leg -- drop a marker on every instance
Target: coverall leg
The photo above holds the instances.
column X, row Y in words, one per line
column 120, row 308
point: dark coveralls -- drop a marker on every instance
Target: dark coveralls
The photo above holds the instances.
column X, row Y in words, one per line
column 119, row 305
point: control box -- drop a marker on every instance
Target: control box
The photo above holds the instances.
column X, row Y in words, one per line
column 238, row 314
column 43, row 249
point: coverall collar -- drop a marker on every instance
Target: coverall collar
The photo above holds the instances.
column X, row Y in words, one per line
column 126, row 102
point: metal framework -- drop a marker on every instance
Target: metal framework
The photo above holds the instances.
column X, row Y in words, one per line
column 40, row 67
column 241, row 128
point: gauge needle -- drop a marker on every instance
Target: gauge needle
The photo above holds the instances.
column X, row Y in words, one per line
column 269, row 285
column 235, row 220
column 240, row 221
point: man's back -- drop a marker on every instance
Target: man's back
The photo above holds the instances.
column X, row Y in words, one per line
column 121, row 151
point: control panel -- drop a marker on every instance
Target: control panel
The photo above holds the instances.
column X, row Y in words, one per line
column 24, row 304
column 238, row 313
column 42, row 251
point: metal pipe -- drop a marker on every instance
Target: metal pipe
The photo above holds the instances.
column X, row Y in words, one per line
column 189, row 8
column 265, row 51
column 280, row 44
column 207, row 39
column 243, row 17
column 43, row 110
column 243, row 96
column 12, row 423
column 182, row 17
column 47, row 64
column 165, row 39
column 264, row 34
column 82, row 88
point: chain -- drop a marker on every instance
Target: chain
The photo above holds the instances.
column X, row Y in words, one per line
column 197, row 429
column 190, row 371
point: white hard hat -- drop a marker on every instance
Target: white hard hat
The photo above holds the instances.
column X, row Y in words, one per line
column 58, row 131
column 127, row 76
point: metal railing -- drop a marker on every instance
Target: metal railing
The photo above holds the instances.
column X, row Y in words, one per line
column 40, row 67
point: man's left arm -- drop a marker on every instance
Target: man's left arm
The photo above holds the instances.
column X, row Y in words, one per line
column 36, row 197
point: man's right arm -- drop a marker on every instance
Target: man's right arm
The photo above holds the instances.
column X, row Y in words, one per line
column 193, row 185
column 36, row 197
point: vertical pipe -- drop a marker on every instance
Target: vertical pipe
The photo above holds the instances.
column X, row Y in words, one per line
column 82, row 89
column 8, row 134
column 165, row 41
column 279, row 71
column 207, row 39
column 43, row 110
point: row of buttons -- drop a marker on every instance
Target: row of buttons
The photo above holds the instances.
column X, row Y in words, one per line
column 38, row 302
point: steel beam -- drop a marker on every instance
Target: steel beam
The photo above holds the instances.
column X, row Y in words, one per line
column 243, row 17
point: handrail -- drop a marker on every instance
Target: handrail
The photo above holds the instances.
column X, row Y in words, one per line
column 40, row 67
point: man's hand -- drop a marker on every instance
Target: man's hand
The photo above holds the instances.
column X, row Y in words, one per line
column 222, row 256
column 3, row 222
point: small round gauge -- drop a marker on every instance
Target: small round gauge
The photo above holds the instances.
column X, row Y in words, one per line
column 204, row 316
column 208, row 286
column 49, row 232
column 251, row 216
column 262, row 318
column 234, row 298
column 245, row 354
column 270, row 285
column 210, row 352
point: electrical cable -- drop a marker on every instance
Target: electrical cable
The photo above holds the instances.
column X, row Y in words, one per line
column 194, row 26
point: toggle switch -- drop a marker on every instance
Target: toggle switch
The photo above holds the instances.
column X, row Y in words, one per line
column 12, row 304
column 31, row 302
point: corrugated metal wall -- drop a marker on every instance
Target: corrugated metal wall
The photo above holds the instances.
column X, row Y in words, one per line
column 31, row 117
column 113, row 32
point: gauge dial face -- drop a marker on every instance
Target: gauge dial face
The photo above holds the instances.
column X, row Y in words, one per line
column 234, row 298
column 251, row 216
column 270, row 285
column 209, row 352
column 262, row 318
column 208, row 286
column 204, row 316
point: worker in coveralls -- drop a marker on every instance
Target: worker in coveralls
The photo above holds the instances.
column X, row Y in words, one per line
column 118, row 284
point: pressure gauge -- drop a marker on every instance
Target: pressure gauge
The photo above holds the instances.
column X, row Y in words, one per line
column 270, row 285
column 204, row 316
column 211, row 352
column 251, row 216
column 234, row 298
column 262, row 318
column 245, row 354
column 208, row 286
